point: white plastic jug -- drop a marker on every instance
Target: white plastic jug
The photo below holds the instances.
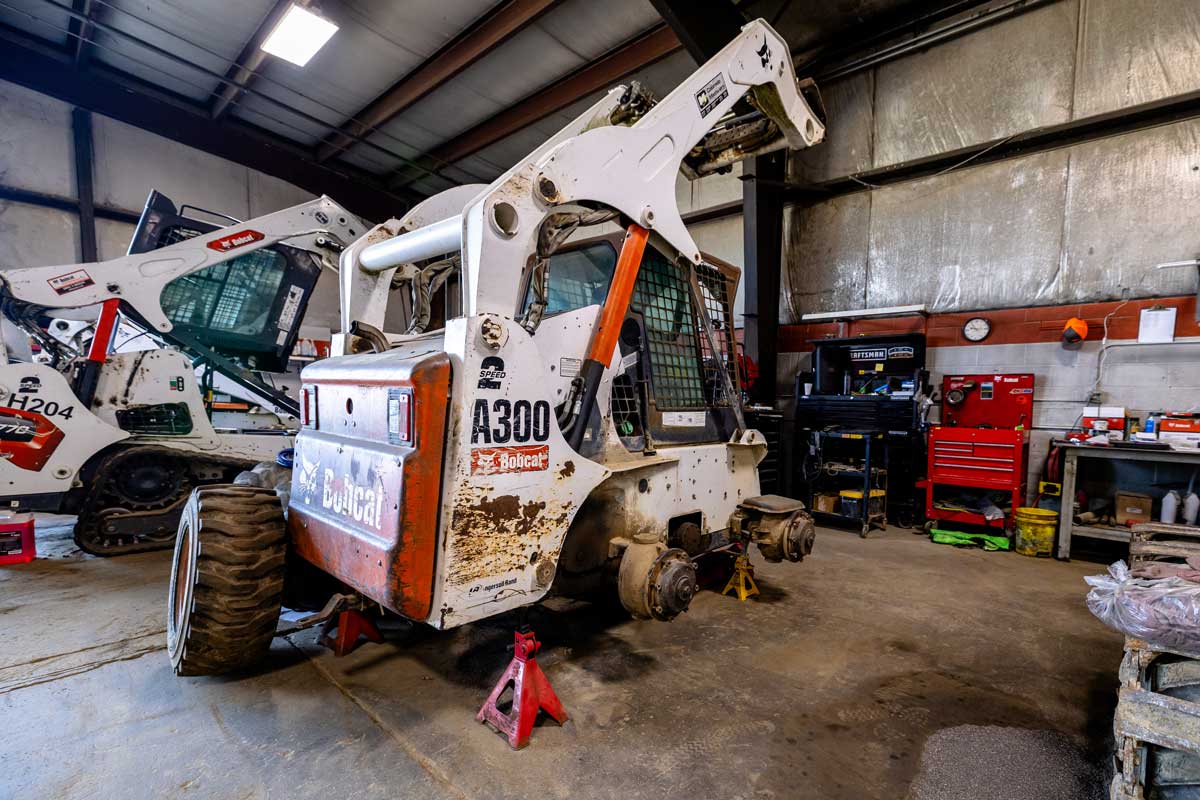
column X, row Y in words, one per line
column 1170, row 507
column 1191, row 509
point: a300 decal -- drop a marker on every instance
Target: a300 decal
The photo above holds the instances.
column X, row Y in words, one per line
column 504, row 421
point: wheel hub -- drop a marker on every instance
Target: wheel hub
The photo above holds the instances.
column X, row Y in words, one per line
column 147, row 481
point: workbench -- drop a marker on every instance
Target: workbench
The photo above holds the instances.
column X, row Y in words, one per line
column 1067, row 527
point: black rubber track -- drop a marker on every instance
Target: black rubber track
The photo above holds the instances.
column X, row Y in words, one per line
column 227, row 580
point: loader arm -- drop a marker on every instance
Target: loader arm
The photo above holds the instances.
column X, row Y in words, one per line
column 599, row 160
column 633, row 169
column 138, row 280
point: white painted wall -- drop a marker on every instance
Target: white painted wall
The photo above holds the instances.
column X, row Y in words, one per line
column 722, row 237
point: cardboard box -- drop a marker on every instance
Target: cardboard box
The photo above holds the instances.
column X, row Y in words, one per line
column 1180, row 440
column 1133, row 507
column 826, row 503
column 1113, row 418
column 1179, row 425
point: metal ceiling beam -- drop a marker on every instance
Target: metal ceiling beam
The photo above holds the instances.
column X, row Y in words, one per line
column 79, row 31
column 702, row 28
column 42, row 200
column 644, row 49
column 44, row 69
column 480, row 38
column 241, row 72
column 174, row 57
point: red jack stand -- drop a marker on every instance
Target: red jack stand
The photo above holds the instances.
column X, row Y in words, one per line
column 531, row 692
column 351, row 624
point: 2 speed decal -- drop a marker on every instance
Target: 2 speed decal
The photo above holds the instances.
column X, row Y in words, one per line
column 491, row 372
column 503, row 421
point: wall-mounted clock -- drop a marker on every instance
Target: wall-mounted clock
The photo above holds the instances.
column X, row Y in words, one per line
column 976, row 329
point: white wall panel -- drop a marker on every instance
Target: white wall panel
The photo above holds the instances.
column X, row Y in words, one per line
column 31, row 236
column 35, row 142
column 1132, row 202
column 826, row 248
column 849, row 138
column 130, row 162
column 112, row 238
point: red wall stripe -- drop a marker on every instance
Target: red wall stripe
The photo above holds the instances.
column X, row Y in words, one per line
column 1009, row 325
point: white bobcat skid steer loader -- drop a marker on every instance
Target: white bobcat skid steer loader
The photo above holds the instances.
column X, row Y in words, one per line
column 576, row 427
column 121, row 438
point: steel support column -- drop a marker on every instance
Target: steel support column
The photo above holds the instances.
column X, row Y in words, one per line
column 81, row 129
column 762, row 236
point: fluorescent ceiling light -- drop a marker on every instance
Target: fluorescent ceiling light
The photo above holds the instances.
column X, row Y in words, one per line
column 299, row 35
column 863, row 313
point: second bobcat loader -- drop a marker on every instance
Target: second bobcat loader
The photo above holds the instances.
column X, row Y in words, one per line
column 120, row 436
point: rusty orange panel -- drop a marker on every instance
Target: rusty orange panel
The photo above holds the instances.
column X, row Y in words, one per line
column 364, row 506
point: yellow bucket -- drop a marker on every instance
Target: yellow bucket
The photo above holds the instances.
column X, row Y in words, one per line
column 1035, row 531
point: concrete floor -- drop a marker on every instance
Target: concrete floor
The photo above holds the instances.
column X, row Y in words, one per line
column 825, row 686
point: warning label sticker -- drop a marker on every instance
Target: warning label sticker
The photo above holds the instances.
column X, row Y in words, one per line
column 497, row 460
column 569, row 367
column 290, row 306
column 71, row 282
column 684, row 419
column 711, row 95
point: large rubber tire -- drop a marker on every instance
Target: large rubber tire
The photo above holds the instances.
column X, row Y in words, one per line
column 227, row 580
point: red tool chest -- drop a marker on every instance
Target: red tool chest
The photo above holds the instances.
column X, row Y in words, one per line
column 983, row 442
column 979, row 458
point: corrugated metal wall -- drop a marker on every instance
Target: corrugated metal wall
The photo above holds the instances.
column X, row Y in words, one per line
column 1081, row 223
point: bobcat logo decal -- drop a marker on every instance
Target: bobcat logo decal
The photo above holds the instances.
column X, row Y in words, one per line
column 307, row 482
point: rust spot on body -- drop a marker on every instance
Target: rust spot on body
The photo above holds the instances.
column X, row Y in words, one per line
column 568, row 469
column 493, row 535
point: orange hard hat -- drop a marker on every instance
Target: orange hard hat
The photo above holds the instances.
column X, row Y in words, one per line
column 1076, row 330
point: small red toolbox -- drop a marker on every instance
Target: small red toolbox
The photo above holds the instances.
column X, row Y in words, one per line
column 16, row 539
column 988, row 400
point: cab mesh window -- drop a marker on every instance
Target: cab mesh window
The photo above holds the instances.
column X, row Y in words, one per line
column 661, row 295
column 233, row 297
column 714, row 290
column 578, row 278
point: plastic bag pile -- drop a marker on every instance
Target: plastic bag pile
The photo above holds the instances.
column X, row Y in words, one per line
column 1164, row 612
